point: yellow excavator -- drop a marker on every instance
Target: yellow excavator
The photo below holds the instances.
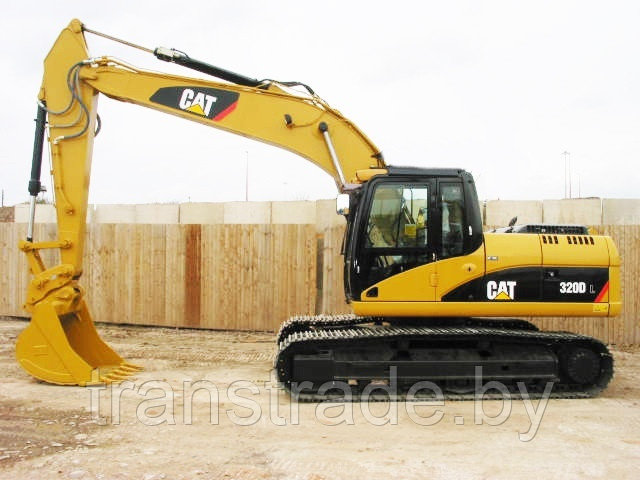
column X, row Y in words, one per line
column 420, row 274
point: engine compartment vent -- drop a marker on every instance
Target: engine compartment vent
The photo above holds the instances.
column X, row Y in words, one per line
column 580, row 240
column 545, row 229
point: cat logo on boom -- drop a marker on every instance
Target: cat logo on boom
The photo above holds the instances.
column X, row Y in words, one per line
column 197, row 102
column 503, row 290
column 210, row 103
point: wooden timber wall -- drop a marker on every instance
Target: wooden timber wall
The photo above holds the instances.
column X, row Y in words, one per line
column 247, row 277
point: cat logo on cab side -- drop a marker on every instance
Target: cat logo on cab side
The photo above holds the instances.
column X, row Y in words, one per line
column 503, row 290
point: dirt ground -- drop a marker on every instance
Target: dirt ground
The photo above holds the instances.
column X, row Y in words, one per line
column 159, row 427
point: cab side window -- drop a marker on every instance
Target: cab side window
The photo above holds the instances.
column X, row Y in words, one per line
column 398, row 217
column 453, row 221
column 397, row 234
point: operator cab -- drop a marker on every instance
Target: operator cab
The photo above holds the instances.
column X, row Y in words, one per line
column 407, row 218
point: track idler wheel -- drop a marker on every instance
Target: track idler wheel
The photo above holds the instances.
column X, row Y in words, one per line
column 582, row 365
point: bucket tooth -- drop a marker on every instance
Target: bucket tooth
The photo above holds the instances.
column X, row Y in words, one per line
column 114, row 376
column 117, row 373
column 128, row 370
column 135, row 368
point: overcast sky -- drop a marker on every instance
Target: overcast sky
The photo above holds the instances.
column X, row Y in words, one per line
column 500, row 88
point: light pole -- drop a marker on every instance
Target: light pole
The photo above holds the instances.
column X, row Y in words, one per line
column 579, row 191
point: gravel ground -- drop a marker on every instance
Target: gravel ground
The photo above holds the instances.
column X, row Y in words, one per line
column 160, row 426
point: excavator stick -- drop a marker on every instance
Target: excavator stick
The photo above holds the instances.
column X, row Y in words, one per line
column 67, row 349
column 61, row 344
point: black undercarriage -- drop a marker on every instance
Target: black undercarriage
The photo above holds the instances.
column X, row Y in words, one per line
column 353, row 358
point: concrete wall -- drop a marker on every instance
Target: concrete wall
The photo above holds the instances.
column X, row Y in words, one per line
column 500, row 212
column 291, row 213
column 620, row 211
column 326, row 216
column 584, row 211
column 148, row 213
column 44, row 213
column 247, row 212
column 321, row 213
column 114, row 214
column 204, row 213
column 589, row 211
column 297, row 213
column 161, row 214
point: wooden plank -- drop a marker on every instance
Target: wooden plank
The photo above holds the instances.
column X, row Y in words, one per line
column 632, row 246
column 208, row 302
column 228, row 282
column 265, row 278
column 24, row 276
column 8, row 269
column 156, row 287
column 125, row 246
column 101, row 268
column 631, row 259
column 193, row 275
column 308, row 232
column 175, row 273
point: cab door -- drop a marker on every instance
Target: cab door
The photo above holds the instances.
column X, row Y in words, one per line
column 396, row 251
column 459, row 260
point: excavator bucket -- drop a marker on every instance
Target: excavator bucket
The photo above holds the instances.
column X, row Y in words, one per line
column 68, row 350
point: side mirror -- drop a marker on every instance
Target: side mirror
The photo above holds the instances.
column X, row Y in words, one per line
column 342, row 204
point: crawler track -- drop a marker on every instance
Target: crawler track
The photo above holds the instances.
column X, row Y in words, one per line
column 351, row 358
